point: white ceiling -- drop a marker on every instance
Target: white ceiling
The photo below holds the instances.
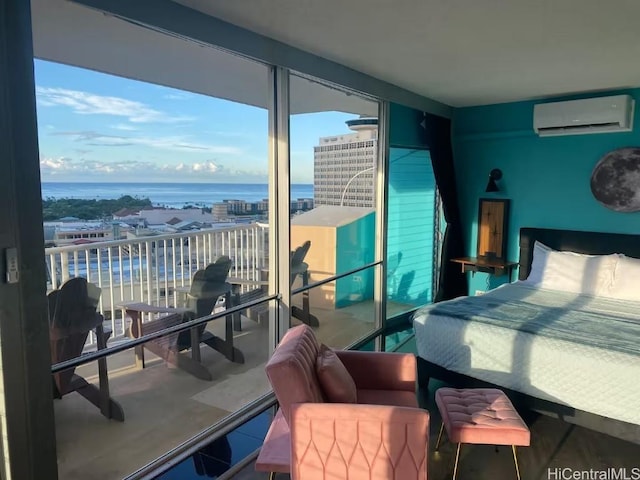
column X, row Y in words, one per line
column 461, row 52
column 75, row 35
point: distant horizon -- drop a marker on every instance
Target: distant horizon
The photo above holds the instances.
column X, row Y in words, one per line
column 168, row 183
column 169, row 193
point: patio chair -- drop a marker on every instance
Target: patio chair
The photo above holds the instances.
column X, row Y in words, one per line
column 298, row 267
column 207, row 287
column 72, row 315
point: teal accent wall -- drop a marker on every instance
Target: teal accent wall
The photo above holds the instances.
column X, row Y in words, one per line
column 547, row 179
column 410, row 227
column 404, row 127
column 410, row 210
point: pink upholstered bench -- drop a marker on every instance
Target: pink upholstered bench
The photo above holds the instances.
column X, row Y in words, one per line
column 481, row 416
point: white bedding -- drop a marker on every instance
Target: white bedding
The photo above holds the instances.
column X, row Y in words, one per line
column 600, row 377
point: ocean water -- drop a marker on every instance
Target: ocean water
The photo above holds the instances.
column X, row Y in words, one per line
column 170, row 194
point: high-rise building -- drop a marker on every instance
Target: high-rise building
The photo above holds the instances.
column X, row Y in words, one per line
column 345, row 166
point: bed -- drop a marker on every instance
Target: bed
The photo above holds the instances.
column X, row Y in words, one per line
column 564, row 353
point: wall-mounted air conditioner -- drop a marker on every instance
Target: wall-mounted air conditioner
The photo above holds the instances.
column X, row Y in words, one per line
column 590, row 115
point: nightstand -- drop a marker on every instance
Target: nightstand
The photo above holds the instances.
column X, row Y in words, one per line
column 485, row 265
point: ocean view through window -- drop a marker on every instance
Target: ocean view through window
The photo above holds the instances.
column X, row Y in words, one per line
column 161, row 199
column 174, row 195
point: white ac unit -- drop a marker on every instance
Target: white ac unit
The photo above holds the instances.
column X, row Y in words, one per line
column 590, row 115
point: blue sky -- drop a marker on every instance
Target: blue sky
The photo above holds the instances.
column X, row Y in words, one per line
column 94, row 127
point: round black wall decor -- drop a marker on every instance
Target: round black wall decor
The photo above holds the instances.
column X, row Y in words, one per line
column 615, row 181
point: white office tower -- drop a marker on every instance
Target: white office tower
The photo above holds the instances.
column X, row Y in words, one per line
column 345, row 166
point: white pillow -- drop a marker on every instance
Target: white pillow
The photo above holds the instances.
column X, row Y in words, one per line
column 536, row 272
column 571, row 272
column 626, row 279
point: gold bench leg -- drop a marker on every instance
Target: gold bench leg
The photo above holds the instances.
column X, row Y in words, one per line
column 455, row 465
column 439, row 436
column 272, row 476
column 515, row 459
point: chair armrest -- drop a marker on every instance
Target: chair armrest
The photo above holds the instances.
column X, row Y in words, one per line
column 146, row 308
column 380, row 370
column 371, row 439
column 102, row 333
column 137, row 328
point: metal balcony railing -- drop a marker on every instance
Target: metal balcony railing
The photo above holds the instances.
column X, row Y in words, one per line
column 147, row 269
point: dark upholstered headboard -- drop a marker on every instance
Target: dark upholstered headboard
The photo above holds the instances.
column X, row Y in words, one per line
column 595, row 243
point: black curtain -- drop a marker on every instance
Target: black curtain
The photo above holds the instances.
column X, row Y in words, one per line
column 453, row 283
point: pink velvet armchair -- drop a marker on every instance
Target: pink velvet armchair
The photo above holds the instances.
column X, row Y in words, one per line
column 382, row 436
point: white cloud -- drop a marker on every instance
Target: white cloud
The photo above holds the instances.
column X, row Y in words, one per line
column 209, row 167
column 54, row 163
column 86, row 103
column 65, row 168
column 175, row 143
column 124, row 126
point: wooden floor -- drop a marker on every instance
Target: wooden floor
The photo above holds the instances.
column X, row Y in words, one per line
column 164, row 406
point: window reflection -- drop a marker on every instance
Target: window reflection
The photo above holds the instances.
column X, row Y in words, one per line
column 214, row 459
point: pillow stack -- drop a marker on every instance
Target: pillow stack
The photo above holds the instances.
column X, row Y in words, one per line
column 612, row 276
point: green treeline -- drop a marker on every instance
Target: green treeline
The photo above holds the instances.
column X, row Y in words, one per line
column 54, row 209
